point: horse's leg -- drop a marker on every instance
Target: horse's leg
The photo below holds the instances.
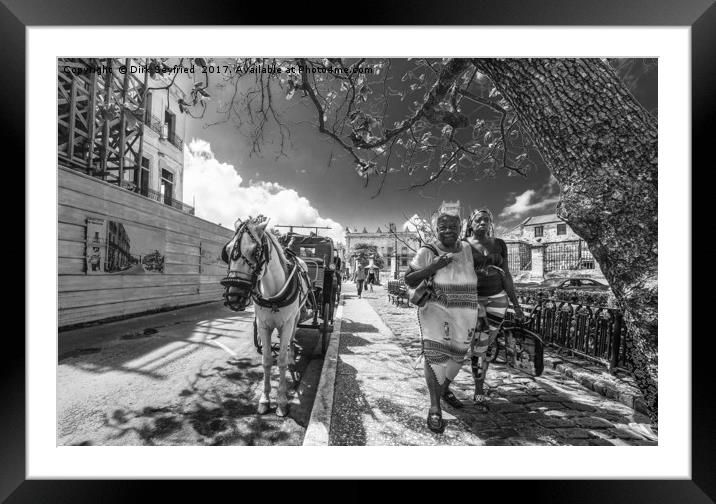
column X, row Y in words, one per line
column 292, row 354
column 267, row 357
column 283, row 360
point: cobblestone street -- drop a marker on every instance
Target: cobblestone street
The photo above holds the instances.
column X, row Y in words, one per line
column 549, row 410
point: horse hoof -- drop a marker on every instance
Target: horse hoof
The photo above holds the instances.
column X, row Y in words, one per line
column 282, row 411
column 263, row 407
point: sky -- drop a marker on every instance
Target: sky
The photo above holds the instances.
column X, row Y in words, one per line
column 225, row 182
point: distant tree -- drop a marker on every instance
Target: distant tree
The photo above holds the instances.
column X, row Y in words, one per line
column 364, row 252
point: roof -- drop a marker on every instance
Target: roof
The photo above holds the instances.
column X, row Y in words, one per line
column 541, row 219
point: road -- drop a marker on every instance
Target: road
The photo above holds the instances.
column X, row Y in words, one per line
column 185, row 377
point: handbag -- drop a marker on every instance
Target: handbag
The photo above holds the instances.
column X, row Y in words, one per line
column 424, row 291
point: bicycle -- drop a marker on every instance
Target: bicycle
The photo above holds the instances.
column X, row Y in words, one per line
column 517, row 347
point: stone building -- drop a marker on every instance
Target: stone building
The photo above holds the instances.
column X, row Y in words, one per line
column 396, row 248
column 544, row 246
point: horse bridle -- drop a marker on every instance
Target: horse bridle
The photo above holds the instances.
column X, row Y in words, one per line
column 260, row 257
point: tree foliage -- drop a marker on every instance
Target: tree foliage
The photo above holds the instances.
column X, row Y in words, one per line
column 364, row 252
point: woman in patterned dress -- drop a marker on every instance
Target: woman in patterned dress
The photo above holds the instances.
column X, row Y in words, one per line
column 496, row 290
column 448, row 319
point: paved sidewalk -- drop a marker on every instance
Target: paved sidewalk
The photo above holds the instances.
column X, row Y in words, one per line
column 381, row 398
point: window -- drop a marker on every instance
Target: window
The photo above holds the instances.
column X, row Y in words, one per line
column 307, row 251
column 171, row 120
column 148, row 109
column 404, row 261
column 539, row 231
column 142, row 178
column 390, row 251
column 561, row 229
column 167, row 186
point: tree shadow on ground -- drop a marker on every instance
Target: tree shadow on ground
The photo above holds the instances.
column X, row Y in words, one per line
column 217, row 407
column 354, row 326
column 522, row 410
column 350, row 404
column 121, row 351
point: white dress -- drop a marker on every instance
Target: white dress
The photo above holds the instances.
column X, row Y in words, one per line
column 448, row 319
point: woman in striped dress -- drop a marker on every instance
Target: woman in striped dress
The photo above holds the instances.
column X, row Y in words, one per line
column 448, row 319
column 495, row 287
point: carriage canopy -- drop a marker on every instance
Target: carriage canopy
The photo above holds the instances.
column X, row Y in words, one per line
column 317, row 248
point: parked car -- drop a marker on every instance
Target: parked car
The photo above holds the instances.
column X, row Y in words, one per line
column 572, row 283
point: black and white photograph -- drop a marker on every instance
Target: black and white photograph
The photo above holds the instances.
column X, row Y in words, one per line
column 357, row 251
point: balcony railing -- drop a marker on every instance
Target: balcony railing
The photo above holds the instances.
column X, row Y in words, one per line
column 157, row 196
column 157, row 124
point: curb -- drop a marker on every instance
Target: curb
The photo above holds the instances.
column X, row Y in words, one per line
column 605, row 389
column 319, row 425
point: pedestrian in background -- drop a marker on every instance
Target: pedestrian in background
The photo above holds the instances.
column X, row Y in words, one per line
column 371, row 278
column 449, row 317
column 359, row 278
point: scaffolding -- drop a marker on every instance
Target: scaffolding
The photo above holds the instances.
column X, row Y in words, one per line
column 100, row 116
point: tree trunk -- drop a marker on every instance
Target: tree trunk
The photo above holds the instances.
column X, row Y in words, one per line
column 601, row 145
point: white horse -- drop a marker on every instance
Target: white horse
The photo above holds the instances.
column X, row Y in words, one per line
column 260, row 272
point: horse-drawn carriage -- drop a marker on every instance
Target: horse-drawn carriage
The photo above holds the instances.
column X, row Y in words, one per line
column 293, row 282
column 323, row 273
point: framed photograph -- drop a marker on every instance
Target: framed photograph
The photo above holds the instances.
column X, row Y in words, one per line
column 207, row 181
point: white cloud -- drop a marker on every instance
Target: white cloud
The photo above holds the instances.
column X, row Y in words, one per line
column 532, row 201
column 220, row 196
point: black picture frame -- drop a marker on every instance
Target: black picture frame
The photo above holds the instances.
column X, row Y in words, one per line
column 700, row 15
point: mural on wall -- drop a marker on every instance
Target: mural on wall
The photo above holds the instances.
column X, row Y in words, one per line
column 95, row 245
column 113, row 247
column 210, row 258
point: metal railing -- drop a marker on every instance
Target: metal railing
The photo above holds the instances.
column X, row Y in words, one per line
column 596, row 333
column 157, row 196
column 156, row 124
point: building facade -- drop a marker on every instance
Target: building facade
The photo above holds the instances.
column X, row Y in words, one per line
column 124, row 128
column 396, row 248
column 544, row 246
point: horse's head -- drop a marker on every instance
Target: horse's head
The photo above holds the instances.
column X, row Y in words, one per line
column 246, row 255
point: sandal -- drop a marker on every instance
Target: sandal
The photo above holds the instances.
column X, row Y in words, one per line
column 450, row 398
column 480, row 400
column 436, row 422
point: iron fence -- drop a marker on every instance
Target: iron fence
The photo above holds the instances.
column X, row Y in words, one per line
column 567, row 255
column 519, row 256
column 593, row 332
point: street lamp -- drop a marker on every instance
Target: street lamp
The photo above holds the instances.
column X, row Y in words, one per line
column 395, row 249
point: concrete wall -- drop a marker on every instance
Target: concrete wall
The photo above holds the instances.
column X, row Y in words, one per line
column 191, row 248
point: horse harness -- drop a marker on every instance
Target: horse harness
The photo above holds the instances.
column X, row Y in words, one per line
column 291, row 289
